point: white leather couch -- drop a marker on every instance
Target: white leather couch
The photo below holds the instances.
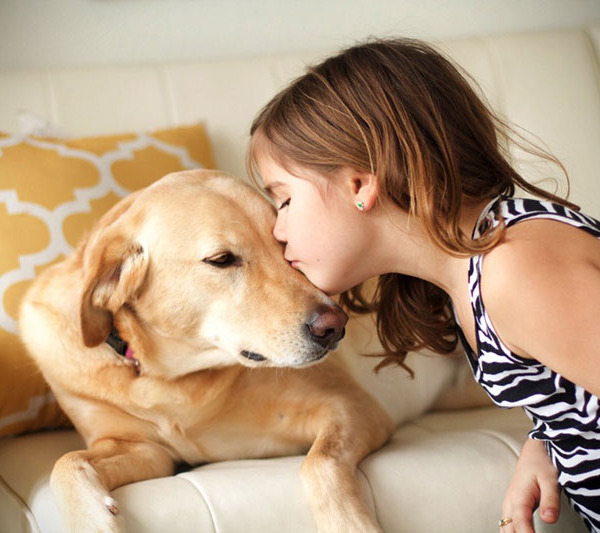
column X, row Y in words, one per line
column 444, row 471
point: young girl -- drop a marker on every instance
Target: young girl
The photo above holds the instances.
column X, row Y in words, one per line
column 383, row 162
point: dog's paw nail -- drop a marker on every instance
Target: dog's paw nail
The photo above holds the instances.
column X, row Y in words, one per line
column 111, row 505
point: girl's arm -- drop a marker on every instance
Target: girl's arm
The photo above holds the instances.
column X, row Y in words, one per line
column 541, row 287
column 535, row 482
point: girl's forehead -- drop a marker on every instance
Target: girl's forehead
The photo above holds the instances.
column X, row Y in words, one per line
column 267, row 155
column 277, row 170
column 272, row 177
column 264, row 155
column 270, row 171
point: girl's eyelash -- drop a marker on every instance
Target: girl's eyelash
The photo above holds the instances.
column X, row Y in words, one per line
column 285, row 204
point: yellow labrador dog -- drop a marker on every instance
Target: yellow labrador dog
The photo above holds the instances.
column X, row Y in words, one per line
column 163, row 336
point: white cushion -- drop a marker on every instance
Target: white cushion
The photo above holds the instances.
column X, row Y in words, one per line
column 444, row 472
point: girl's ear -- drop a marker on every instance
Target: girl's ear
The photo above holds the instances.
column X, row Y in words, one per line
column 365, row 190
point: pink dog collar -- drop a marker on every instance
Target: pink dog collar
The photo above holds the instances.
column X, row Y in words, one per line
column 115, row 341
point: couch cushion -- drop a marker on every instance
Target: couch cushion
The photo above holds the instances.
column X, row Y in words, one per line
column 51, row 192
column 444, row 472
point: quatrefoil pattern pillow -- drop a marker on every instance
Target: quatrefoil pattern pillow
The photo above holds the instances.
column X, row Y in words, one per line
column 51, row 192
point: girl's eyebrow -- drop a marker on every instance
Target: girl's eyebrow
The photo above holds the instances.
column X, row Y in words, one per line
column 271, row 187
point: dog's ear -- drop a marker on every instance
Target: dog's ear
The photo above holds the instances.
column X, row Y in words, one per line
column 114, row 267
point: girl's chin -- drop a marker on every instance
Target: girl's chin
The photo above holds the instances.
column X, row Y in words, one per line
column 319, row 284
column 331, row 287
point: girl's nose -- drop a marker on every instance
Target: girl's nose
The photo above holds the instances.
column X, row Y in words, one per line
column 278, row 230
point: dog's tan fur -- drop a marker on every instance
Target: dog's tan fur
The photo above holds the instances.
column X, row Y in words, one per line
column 196, row 398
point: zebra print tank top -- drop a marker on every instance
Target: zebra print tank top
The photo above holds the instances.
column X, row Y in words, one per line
column 565, row 416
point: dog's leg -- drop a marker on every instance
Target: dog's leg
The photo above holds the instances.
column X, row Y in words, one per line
column 82, row 481
column 349, row 431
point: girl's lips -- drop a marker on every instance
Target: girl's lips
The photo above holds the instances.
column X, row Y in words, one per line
column 293, row 263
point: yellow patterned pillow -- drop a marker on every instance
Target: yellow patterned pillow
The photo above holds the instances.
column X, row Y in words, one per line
column 51, row 192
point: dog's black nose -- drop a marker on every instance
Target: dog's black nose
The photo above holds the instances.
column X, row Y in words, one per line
column 326, row 325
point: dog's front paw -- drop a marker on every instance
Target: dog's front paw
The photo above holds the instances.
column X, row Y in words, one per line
column 111, row 505
column 85, row 505
column 98, row 514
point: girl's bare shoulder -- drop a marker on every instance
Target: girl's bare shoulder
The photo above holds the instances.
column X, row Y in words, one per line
column 539, row 247
column 541, row 271
column 541, row 288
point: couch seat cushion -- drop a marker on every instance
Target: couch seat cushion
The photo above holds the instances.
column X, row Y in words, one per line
column 445, row 472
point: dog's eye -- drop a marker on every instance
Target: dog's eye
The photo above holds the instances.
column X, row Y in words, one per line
column 223, row 259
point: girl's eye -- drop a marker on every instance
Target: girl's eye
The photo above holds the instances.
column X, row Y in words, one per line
column 284, row 204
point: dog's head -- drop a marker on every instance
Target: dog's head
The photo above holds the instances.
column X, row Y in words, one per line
column 191, row 272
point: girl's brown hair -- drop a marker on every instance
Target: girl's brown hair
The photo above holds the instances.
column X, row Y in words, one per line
column 400, row 110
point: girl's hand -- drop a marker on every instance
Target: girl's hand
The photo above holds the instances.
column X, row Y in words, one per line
column 534, row 482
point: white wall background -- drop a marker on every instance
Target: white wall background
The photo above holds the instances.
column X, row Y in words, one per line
column 47, row 33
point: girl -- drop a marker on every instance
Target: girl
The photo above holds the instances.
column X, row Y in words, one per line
column 383, row 162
